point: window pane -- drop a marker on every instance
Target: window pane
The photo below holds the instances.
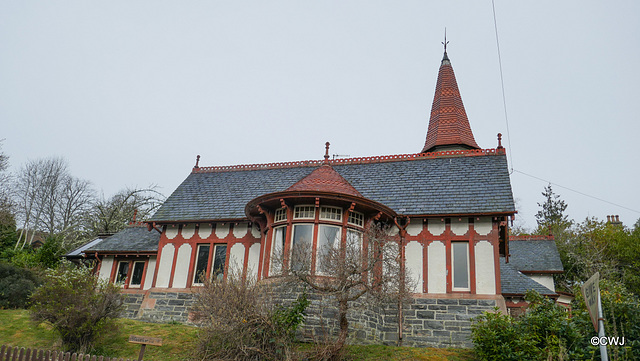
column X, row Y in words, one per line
column 328, row 239
column 277, row 249
column 219, row 259
column 123, row 270
column 460, row 264
column 202, row 260
column 136, row 276
column 301, row 245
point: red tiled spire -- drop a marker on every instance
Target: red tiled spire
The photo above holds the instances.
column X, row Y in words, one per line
column 325, row 179
column 448, row 125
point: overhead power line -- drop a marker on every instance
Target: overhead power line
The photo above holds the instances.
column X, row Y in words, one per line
column 576, row 191
column 504, row 98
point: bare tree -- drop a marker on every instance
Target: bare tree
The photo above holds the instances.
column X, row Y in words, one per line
column 50, row 200
column 110, row 215
column 356, row 268
column 6, row 216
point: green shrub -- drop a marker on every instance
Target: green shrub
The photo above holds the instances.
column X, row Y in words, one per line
column 77, row 304
column 543, row 332
column 16, row 286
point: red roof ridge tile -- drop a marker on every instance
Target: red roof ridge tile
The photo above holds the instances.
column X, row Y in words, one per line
column 355, row 160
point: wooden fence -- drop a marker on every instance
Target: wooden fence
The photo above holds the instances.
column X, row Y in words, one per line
column 8, row 353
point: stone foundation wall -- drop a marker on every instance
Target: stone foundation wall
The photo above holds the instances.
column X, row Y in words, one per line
column 428, row 322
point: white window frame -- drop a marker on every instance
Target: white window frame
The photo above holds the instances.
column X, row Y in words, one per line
column 320, row 249
column 304, row 212
column 356, row 219
column 333, row 214
column 133, row 269
column 273, row 269
column 124, row 281
column 280, row 215
column 195, row 264
column 213, row 260
column 453, row 266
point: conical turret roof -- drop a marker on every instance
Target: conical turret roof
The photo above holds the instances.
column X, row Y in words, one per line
column 448, row 125
column 324, row 179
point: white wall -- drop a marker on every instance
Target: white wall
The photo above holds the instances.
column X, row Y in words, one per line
column 151, row 270
column 413, row 255
column 182, row 266
column 545, row 280
column 437, row 268
column 236, row 257
column 222, row 230
column 485, row 269
column 188, row 231
column 240, row 229
column 105, row 268
column 164, row 268
column 436, row 226
column 252, row 263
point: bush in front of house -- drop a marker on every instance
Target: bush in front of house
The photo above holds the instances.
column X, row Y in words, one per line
column 16, row 286
column 238, row 325
column 77, row 304
column 544, row 332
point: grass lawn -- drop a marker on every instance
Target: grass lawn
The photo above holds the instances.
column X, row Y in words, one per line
column 178, row 340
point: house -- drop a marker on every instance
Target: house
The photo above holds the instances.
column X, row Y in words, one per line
column 450, row 205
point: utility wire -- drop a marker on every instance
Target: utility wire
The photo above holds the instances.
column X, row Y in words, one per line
column 504, row 99
column 575, row 191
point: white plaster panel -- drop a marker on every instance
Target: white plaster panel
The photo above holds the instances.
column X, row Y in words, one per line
column 171, row 232
column 166, row 262
column 182, row 266
column 222, row 230
column 236, row 258
column 545, row 280
column 204, row 231
column 240, row 229
column 485, row 269
column 255, row 231
column 252, row 262
column 483, row 226
column 392, row 231
column 151, row 270
column 436, row 226
column 459, row 226
column 188, row 231
column 415, row 227
column 437, row 268
column 413, row 254
column 105, row 268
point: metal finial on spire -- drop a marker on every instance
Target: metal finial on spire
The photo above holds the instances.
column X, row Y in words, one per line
column 197, row 161
column 326, row 153
column 445, row 42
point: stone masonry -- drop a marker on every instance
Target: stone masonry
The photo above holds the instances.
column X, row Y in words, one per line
column 428, row 322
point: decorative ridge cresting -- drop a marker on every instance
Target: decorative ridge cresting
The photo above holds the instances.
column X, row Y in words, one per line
column 531, row 238
column 355, row 160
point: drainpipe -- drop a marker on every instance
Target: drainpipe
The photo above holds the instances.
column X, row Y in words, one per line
column 402, row 232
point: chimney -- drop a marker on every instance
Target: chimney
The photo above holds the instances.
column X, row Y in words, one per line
column 614, row 220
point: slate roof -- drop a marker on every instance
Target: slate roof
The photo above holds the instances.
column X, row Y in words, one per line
column 515, row 283
column 130, row 239
column 535, row 255
column 77, row 253
column 421, row 186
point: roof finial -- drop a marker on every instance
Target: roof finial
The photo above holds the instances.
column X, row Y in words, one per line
column 500, row 141
column 197, row 161
column 445, row 42
column 326, row 153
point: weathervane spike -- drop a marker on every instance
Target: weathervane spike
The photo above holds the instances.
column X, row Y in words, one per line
column 445, row 42
column 326, row 152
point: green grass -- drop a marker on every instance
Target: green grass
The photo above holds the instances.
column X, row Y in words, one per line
column 178, row 340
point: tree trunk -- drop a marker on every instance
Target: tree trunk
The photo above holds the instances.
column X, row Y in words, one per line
column 344, row 330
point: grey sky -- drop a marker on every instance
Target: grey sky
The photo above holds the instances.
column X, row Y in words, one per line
column 130, row 92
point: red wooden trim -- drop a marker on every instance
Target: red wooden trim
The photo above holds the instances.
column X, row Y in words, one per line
column 114, row 267
column 144, row 273
column 173, row 265
column 472, row 266
column 190, row 271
